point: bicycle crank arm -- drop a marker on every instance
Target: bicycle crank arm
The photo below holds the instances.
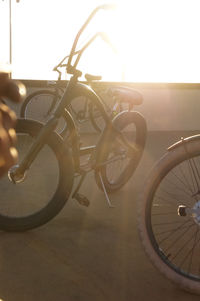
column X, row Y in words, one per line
column 82, row 199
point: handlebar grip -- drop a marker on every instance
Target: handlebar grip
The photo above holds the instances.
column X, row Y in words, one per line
column 90, row 77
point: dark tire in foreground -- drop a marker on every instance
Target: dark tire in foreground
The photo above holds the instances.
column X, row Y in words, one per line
column 46, row 186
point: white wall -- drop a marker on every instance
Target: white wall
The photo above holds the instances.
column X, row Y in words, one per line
column 171, row 109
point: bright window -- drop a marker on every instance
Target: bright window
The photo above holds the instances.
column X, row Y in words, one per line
column 157, row 40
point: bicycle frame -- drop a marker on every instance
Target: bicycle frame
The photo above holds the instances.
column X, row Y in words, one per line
column 73, row 88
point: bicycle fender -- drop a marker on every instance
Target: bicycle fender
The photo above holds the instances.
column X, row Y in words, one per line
column 84, row 90
column 183, row 141
column 127, row 114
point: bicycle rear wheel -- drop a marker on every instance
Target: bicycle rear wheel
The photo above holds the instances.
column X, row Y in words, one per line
column 44, row 190
column 39, row 106
column 169, row 215
column 118, row 162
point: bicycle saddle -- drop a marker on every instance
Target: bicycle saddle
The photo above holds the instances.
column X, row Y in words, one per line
column 90, row 77
column 126, row 94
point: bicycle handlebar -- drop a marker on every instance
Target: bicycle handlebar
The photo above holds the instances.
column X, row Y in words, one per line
column 72, row 52
column 72, row 68
column 104, row 37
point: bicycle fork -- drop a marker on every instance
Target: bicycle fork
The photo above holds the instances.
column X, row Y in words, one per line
column 17, row 173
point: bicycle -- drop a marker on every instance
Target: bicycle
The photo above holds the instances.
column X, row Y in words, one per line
column 43, row 180
column 169, row 214
column 46, row 99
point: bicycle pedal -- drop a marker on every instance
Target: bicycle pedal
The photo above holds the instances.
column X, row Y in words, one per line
column 83, row 200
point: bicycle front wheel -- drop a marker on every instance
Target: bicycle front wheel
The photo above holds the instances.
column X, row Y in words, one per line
column 39, row 106
column 169, row 216
column 42, row 192
column 118, row 162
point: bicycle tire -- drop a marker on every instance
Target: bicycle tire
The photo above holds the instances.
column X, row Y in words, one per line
column 165, row 232
column 136, row 135
column 46, row 188
column 36, row 106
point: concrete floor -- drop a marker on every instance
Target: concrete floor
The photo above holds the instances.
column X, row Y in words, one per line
column 87, row 254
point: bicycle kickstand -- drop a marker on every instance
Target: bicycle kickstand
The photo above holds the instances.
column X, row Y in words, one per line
column 105, row 192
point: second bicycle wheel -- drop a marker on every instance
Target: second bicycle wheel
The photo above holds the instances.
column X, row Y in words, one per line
column 118, row 163
column 169, row 216
column 39, row 106
column 42, row 192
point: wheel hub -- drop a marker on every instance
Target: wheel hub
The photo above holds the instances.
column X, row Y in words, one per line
column 15, row 176
column 194, row 212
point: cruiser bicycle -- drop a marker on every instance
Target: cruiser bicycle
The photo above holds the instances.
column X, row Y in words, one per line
column 35, row 190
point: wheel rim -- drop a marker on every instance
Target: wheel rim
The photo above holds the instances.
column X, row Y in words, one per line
column 174, row 232
column 38, row 187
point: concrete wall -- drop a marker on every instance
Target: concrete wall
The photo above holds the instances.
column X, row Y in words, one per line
column 166, row 107
column 171, row 108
